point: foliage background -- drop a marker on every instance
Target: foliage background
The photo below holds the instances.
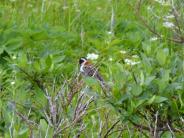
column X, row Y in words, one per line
column 141, row 56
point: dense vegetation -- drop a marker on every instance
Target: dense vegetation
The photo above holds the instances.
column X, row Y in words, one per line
column 138, row 46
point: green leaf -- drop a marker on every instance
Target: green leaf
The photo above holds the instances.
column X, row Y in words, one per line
column 115, row 42
column 36, row 66
column 165, row 75
column 45, row 129
column 149, row 80
column 37, row 36
column 91, row 81
column 162, row 55
column 151, row 100
column 167, row 134
column 1, row 50
column 43, row 124
column 49, row 63
column 141, row 78
column 146, row 47
column 136, row 90
column 157, row 99
column 13, row 44
column 140, row 102
column 23, row 131
column 160, row 99
column 23, row 60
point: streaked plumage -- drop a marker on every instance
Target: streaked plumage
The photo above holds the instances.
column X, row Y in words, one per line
column 88, row 69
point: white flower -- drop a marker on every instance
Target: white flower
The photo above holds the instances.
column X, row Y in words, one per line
column 30, row 5
column 12, row 83
column 182, row 119
column 110, row 59
column 98, row 8
column 163, row 2
column 122, row 52
column 65, row 7
column 135, row 56
column 77, row 10
column 12, row 0
column 149, row 8
column 14, row 57
column 109, row 33
column 92, row 56
column 130, row 62
column 35, row 10
column 169, row 16
column 168, row 24
column 154, row 38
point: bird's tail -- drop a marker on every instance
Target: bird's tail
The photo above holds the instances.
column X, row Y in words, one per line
column 100, row 78
column 106, row 88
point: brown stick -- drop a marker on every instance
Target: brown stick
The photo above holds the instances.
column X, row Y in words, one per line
column 111, row 128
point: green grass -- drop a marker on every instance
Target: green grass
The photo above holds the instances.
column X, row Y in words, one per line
column 41, row 43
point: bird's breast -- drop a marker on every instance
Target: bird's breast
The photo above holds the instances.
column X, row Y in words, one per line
column 82, row 68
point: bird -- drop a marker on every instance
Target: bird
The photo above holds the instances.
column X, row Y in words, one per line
column 89, row 70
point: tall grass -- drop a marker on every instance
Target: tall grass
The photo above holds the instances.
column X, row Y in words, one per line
column 42, row 93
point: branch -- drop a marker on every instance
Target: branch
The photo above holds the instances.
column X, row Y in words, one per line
column 36, row 81
column 111, row 128
column 164, row 128
column 25, row 119
column 155, row 129
column 74, row 90
column 170, row 130
column 180, row 40
column 118, row 130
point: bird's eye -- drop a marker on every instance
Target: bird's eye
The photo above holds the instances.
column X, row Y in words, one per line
column 82, row 60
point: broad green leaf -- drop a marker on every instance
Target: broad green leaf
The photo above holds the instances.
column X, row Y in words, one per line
column 131, row 107
column 43, row 124
column 167, row 134
column 149, row 80
column 165, row 75
column 45, row 129
column 1, row 50
column 48, row 61
column 37, row 36
column 151, row 100
column 36, row 66
column 162, row 55
column 146, row 47
column 141, row 78
column 115, row 42
column 138, row 103
column 13, row 44
column 23, row 131
column 160, row 99
column 157, row 99
column 23, row 60
column 91, row 81
column 136, row 90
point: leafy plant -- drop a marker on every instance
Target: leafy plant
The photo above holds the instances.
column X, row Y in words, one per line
column 139, row 48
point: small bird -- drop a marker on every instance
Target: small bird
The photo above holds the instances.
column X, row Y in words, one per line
column 88, row 69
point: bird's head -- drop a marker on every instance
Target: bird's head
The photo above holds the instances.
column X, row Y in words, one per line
column 82, row 60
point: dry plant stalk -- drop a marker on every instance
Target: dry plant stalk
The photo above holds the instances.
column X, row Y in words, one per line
column 179, row 38
column 52, row 113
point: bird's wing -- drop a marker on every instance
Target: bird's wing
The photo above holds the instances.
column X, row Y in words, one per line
column 89, row 70
column 92, row 71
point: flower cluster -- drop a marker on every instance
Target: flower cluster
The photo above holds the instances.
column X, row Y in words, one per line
column 168, row 24
column 130, row 62
column 163, row 2
column 92, row 56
